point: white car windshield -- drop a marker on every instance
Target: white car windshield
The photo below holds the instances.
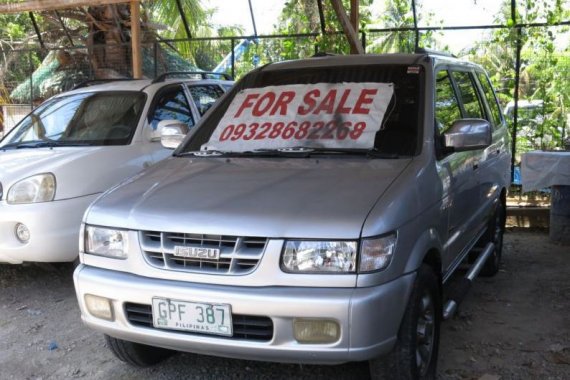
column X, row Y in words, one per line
column 90, row 118
column 373, row 110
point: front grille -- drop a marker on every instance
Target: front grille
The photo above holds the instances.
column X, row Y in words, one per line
column 245, row 327
column 238, row 255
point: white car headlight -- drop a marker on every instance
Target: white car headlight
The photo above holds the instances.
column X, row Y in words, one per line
column 306, row 256
column 38, row 188
column 376, row 254
column 106, row 242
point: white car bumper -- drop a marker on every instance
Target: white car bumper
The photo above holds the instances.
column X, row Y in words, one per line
column 54, row 230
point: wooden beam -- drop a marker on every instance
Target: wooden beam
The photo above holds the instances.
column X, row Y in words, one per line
column 136, row 38
column 52, row 5
column 354, row 18
column 351, row 35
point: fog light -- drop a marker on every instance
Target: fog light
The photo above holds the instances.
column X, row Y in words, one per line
column 319, row 331
column 22, row 233
column 99, row 307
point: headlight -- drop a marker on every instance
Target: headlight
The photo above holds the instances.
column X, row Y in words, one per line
column 376, row 254
column 38, row 188
column 319, row 256
column 106, row 242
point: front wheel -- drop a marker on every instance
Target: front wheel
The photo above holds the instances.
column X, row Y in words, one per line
column 415, row 354
column 495, row 232
column 136, row 354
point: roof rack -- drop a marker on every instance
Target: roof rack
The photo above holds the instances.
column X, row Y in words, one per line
column 202, row 74
column 92, row 82
column 422, row 50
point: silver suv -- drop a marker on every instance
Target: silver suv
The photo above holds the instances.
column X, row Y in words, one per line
column 315, row 215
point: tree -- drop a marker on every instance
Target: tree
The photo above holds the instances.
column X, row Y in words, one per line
column 543, row 75
column 105, row 31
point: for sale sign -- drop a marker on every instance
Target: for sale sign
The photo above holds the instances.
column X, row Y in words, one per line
column 322, row 115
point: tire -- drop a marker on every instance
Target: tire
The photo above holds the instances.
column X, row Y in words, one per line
column 135, row 354
column 494, row 234
column 415, row 354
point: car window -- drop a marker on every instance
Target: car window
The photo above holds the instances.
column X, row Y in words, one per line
column 171, row 104
column 468, row 94
column 205, row 96
column 446, row 105
column 89, row 118
column 491, row 100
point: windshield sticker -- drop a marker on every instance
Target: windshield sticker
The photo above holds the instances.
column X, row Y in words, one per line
column 322, row 115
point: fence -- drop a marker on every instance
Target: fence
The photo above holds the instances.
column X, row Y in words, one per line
column 32, row 75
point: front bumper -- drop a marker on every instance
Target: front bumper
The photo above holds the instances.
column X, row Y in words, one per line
column 54, row 230
column 369, row 318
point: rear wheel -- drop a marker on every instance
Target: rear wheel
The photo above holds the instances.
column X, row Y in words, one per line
column 415, row 354
column 495, row 233
column 136, row 354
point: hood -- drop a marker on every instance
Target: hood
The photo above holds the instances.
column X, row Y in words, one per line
column 265, row 197
column 78, row 171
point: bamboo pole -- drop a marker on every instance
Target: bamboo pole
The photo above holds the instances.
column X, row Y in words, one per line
column 136, row 38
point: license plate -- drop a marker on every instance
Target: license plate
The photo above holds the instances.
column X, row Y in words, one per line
column 199, row 317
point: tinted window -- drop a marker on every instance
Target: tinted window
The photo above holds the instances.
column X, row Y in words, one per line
column 92, row 118
column 205, row 96
column 469, row 96
column 491, row 100
column 446, row 106
column 398, row 133
column 171, row 104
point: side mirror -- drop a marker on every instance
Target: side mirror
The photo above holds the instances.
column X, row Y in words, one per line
column 172, row 133
column 154, row 135
column 468, row 134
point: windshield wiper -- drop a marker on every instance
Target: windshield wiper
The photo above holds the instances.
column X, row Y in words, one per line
column 42, row 144
column 309, row 151
column 302, row 152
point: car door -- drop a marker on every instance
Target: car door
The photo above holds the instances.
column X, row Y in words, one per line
column 496, row 159
column 455, row 170
column 472, row 106
column 169, row 103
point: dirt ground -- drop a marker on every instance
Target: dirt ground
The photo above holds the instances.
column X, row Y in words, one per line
column 513, row 326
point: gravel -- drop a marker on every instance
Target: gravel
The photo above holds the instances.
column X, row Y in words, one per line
column 513, row 326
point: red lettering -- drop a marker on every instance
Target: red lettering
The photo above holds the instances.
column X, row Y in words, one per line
column 327, row 104
column 282, row 102
column 259, row 109
column 341, row 108
column 364, row 99
column 247, row 103
column 310, row 101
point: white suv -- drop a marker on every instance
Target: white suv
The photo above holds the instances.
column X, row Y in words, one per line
column 76, row 145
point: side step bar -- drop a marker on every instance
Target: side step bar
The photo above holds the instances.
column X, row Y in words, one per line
column 463, row 287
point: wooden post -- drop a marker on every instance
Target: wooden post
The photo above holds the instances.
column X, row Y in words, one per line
column 351, row 35
column 136, row 38
column 354, row 19
column 354, row 16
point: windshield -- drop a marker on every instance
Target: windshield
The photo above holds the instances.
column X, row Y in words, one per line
column 345, row 109
column 92, row 118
